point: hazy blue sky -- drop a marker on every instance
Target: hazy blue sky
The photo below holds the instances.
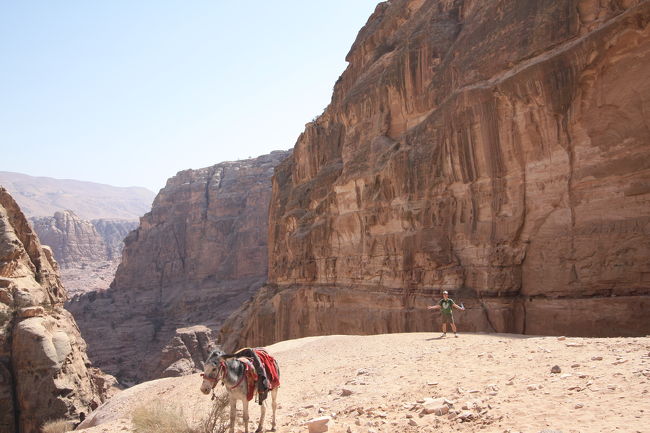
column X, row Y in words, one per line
column 129, row 92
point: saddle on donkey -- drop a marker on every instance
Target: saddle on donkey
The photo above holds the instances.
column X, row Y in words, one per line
column 268, row 376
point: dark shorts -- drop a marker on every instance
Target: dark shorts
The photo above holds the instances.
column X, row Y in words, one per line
column 447, row 318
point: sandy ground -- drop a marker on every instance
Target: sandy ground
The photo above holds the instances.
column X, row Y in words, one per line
column 387, row 383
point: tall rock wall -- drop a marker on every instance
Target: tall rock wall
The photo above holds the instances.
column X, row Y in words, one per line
column 88, row 252
column 195, row 258
column 44, row 370
column 499, row 150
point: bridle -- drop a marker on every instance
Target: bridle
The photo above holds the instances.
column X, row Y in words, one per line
column 221, row 372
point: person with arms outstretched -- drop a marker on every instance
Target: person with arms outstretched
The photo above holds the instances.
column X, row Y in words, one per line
column 445, row 306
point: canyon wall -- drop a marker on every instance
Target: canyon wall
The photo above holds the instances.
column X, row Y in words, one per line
column 195, row 258
column 88, row 252
column 499, row 150
column 44, row 371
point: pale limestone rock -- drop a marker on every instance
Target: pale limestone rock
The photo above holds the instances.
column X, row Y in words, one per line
column 319, row 425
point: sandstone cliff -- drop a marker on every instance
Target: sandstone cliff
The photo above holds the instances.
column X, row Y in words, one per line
column 44, row 370
column 88, row 252
column 195, row 258
column 500, row 150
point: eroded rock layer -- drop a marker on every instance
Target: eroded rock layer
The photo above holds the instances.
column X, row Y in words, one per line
column 44, row 371
column 88, row 252
column 195, row 258
column 500, row 150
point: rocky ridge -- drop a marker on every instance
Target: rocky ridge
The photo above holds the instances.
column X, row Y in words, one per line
column 497, row 150
column 195, row 258
column 88, row 252
column 43, row 196
column 44, row 371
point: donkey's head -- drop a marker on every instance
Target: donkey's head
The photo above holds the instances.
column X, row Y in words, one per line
column 213, row 371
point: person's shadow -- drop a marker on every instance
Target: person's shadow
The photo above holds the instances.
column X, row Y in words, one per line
column 435, row 338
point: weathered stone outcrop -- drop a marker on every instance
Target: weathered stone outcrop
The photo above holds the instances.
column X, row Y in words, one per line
column 195, row 258
column 44, row 370
column 500, row 150
column 186, row 352
column 88, row 252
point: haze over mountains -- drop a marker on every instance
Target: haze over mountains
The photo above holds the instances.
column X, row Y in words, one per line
column 42, row 196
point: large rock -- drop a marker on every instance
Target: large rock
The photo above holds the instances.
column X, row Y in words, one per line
column 88, row 252
column 499, row 150
column 186, row 352
column 44, row 370
column 195, row 258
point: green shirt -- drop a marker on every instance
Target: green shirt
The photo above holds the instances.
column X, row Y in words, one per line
column 446, row 305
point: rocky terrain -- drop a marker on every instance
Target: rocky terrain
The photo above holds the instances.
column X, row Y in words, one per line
column 88, row 252
column 498, row 150
column 417, row 382
column 44, row 371
column 43, row 196
column 196, row 257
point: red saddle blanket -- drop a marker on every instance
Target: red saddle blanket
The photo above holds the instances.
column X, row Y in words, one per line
column 269, row 365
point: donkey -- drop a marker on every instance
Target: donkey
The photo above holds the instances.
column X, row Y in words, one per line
column 232, row 372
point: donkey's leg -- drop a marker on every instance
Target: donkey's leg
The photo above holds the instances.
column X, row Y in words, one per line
column 245, row 407
column 260, row 426
column 274, row 406
column 233, row 414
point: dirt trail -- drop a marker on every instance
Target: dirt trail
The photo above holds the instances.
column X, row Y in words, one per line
column 385, row 383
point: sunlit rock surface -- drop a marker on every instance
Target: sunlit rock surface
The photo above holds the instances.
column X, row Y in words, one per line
column 499, row 150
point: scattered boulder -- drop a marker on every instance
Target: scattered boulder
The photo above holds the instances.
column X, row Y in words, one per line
column 556, row 369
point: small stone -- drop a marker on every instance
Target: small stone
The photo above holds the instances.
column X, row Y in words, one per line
column 596, row 358
column 556, row 369
column 579, row 406
column 413, row 422
column 466, row 415
column 533, row 387
column 318, row 425
column 575, row 365
column 345, row 392
column 561, row 338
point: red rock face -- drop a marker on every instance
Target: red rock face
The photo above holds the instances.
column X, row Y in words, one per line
column 44, row 370
column 195, row 257
column 499, row 150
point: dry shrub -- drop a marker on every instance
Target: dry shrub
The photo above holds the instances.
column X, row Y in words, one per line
column 57, row 426
column 159, row 418
column 218, row 418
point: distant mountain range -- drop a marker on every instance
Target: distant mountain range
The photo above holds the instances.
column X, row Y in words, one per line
column 43, row 196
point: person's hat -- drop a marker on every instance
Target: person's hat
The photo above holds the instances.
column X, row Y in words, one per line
column 445, row 292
